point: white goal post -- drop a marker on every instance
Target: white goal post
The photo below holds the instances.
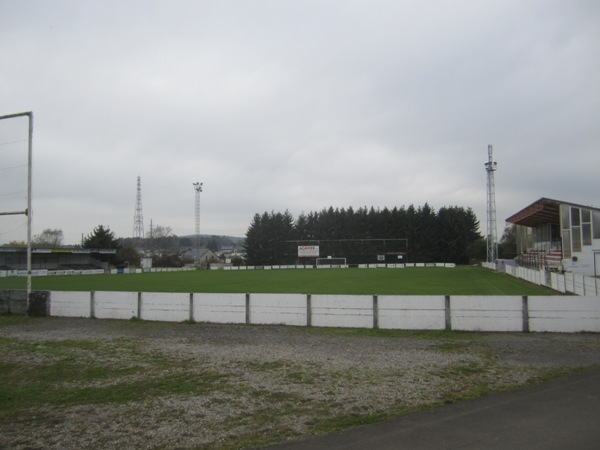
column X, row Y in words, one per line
column 27, row 211
column 331, row 262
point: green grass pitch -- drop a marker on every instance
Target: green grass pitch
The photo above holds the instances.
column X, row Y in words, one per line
column 462, row 280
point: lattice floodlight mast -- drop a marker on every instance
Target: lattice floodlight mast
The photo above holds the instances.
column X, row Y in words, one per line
column 138, row 218
column 492, row 241
column 198, row 189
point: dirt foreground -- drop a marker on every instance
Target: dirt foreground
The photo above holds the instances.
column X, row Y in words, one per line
column 237, row 386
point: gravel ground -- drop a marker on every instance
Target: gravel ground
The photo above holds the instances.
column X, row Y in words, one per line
column 276, row 382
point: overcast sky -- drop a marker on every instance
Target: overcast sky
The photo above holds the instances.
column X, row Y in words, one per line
column 296, row 105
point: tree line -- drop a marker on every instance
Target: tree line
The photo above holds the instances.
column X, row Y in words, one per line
column 365, row 235
column 161, row 245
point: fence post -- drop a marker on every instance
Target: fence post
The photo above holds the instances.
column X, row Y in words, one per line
column 191, row 307
column 93, row 305
column 247, row 309
column 139, row 306
column 375, row 312
column 448, row 313
column 525, row 302
column 308, row 310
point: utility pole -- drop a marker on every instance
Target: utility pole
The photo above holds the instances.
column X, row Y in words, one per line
column 198, row 189
column 492, row 238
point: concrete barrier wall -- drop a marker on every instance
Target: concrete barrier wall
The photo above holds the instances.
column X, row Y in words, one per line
column 284, row 309
column 468, row 313
column 164, row 306
column 564, row 314
column 114, row 305
column 479, row 313
column 13, row 302
column 219, row 308
column 351, row 311
column 411, row 312
column 70, row 304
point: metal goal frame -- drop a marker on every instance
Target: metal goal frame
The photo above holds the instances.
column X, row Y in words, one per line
column 27, row 212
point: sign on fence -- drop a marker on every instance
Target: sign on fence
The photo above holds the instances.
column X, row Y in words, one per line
column 308, row 251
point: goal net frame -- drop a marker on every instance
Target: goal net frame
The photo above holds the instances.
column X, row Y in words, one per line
column 331, row 261
column 355, row 251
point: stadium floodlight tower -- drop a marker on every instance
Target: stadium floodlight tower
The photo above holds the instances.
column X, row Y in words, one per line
column 138, row 218
column 492, row 241
column 198, row 189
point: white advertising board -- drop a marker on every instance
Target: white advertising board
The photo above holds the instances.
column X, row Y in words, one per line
column 308, row 251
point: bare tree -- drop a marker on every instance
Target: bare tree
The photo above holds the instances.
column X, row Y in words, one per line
column 49, row 238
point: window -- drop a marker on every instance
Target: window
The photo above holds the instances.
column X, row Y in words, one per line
column 564, row 215
column 596, row 224
column 575, row 221
column 567, row 244
column 586, row 234
column 576, row 236
column 586, row 216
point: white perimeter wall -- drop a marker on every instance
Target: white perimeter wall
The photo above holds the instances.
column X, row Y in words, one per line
column 564, row 314
column 115, row 305
column 220, row 308
column 412, row 312
column 284, row 309
column 352, row 311
column 70, row 304
column 164, row 307
column 479, row 313
column 469, row 313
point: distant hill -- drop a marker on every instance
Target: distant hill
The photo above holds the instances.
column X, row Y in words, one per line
column 234, row 239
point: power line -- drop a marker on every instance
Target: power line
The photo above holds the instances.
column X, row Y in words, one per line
column 13, row 142
column 12, row 193
column 13, row 167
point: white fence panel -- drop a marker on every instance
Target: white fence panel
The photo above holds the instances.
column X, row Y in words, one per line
column 412, row 312
column 564, row 314
column 165, row 307
column 591, row 286
column 69, row 304
column 557, row 282
column 115, row 305
column 352, row 311
column 569, row 282
column 285, row 309
column 220, row 308
column 480, row 313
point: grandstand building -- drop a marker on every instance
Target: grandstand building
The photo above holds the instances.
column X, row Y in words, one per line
column 15, row 258
column 558, row 236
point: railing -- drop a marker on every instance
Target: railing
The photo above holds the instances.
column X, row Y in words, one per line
column 567, row 282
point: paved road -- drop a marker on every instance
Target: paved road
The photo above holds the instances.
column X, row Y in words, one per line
column 561, row 414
